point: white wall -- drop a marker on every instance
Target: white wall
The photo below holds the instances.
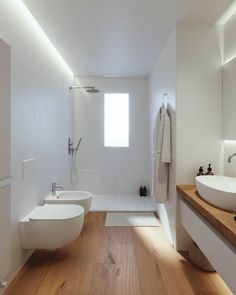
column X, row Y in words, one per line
column 189, row 70
column 163, row 80
column 41, row 118
column 229, row 102
column 112, row 170
column 5, row 151
column 199, row 101
column 199, row 106
column 229, row 52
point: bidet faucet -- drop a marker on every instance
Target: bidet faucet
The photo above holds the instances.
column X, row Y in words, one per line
column 54, row 188
column 230, row 157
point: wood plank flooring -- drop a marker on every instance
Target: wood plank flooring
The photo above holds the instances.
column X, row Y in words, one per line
column 114, row 261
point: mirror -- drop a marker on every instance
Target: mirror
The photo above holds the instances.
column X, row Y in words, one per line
column 229, row 100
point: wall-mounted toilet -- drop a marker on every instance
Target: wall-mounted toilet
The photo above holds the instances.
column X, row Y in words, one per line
column 51, row 226
column 81, row 198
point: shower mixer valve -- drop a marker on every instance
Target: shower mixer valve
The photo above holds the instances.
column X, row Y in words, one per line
column 71, row 148
column 73, row 152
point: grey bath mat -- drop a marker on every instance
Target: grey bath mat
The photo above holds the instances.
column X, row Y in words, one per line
column 131, row 219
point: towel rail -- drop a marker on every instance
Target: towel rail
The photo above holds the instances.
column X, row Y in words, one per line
column 5, row 181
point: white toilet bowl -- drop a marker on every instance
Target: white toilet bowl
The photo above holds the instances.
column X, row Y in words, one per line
column 51, row 226
column 81, row 198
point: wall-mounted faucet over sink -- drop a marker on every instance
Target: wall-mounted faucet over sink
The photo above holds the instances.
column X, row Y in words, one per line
column 230, row 157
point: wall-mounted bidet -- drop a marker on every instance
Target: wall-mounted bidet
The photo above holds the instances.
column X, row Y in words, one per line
column 81, row 198
column 51, row 226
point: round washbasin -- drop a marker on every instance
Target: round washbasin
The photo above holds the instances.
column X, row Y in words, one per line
column 81, row 198
column 217, row 190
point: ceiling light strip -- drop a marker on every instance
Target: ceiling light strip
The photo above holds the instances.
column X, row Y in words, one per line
column 230, row 11
column 23, row 9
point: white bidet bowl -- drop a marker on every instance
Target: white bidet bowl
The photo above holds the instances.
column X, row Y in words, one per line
column 81, row 198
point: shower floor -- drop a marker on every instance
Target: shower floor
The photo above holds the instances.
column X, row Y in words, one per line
column 128, row 203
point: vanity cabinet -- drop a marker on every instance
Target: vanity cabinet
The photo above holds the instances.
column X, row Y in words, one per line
column 219, row 251
column 229, row 100
column 213, row 230
column 5, row 179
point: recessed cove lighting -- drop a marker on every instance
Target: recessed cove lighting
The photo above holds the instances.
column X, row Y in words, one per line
column 230, row 11
column 229, row 141
column 230, row 59
column 111, row 76
column 20, row 6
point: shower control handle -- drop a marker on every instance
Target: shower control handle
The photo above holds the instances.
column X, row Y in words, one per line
column 71, row 148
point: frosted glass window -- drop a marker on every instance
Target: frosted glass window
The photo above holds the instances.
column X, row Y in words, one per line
column 116, row 120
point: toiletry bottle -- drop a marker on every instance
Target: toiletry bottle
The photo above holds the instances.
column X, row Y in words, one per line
column 200, row 172
column 209, row 170
column 144, row 191
column 141, row 191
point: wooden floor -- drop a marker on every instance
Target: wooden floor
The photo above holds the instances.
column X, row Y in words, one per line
column 114, row 261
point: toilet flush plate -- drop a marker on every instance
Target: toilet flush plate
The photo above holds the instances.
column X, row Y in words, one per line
column 28, row 168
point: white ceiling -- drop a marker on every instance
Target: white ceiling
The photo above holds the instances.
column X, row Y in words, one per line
column 117, row 37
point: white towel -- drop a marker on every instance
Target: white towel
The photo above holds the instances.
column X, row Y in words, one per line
column 162, row 156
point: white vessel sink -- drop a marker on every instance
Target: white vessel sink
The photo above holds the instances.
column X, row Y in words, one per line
column 217, row 190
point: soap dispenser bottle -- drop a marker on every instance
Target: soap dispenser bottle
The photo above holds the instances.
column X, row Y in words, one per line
column 200, row 172
column 209, row 170
column 144, row 191
column 141, row 191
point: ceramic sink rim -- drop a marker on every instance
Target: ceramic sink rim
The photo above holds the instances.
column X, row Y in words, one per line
column 219, row 191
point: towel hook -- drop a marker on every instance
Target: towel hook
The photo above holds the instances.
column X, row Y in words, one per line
column 164, row 99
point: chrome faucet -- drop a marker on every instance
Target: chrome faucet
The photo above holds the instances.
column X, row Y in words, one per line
column 54, row 188
column 230, row 157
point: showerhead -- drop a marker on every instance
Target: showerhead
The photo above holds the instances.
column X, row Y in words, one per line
column 89, row 89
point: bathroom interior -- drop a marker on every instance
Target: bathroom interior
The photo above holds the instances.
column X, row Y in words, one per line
column 85, row 87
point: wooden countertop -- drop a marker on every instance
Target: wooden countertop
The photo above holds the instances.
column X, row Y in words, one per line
column 221, row 220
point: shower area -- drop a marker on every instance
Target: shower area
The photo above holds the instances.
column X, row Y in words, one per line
column 114, row 173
